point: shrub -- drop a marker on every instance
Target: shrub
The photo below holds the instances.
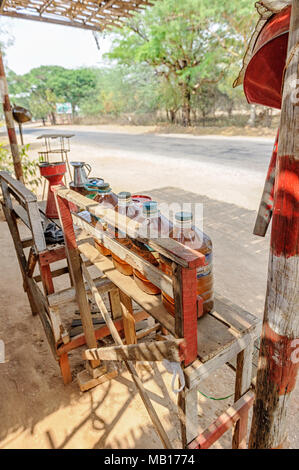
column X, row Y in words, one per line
column 29, row 165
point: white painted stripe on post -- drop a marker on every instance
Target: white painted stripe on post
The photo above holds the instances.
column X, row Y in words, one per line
column 283, row 311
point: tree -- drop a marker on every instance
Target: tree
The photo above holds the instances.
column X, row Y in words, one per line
column 43, row 87
column 188, row 43
column 73, row 85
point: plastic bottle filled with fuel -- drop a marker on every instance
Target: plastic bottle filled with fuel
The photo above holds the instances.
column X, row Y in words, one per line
column 152, row 225
column 126, row 207
column 107, row 198
column 186, row 233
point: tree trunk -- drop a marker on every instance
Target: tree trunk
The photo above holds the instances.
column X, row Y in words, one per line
column 53, row 118
column 279, row 352
column 230, row 109
column 186, row 111
column 172, row 116
column 252, row 119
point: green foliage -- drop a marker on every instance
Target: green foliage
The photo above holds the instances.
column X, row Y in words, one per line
column 29, row 165
column 190, row 44
column 122, row 89
column 43, row 87
column 176, row 57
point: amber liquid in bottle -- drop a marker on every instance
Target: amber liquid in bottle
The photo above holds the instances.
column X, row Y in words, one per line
column 189, row 235
column 105, row 198
column 127, row 208
column 152, row 225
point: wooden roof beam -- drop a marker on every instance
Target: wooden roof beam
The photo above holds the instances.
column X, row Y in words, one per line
column 101, row 8
column 45, row 6
column 2, row 5
column 52, row 20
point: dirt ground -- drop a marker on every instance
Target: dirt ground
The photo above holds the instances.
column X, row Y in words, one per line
column 38, row 411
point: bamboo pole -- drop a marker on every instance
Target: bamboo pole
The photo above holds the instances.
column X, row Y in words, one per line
column 10, row 123
column 279, row 353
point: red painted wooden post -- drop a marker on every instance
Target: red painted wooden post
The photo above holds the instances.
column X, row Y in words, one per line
column 10, row 123
column 185, row 295
column 279, row 353
column 47, row 280
column 65, row 368
column 266, row 205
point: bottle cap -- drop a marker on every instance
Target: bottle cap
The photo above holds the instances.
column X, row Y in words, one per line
column 124, row 197
column 184, row 216
column 150, row 208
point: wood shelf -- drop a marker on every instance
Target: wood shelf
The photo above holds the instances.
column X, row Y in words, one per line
column 220, row 333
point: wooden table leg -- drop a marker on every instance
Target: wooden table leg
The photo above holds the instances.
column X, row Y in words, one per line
column 188, row 415
column 115, row 305
column 65, row 368
column 243, row 383
column 129, row 321
column 46, row 276
column 74, row 262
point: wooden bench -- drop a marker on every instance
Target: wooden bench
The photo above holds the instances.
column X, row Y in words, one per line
column 224, row 335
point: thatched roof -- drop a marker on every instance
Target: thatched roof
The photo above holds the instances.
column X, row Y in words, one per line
column 87, row 14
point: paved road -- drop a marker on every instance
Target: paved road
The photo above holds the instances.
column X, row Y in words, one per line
column 245, row 153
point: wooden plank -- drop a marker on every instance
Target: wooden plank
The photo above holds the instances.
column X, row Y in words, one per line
column 233, row 315
column 36, row 226
column 42, row 310
column 114, row 333
column 14, row 231
column 57, row 327
column 147, row 331
column 18, row 187
column 242, row 385
column 128, row 318
column 26, row 242
column 86, row 382
column 199, row 371
column 55, row 273
column 31, row 263
column 22, row 214
column 151, row 272
column 65, row 369
column 185, row 298
column 213, row 336
column 153, row 351
column 223, row 423
column 69, row 295
column 150, row 303
column 76, row 273
column 46, row 277
column 266, row 205
column 115, row 306
column 170, row 248
column 73, row 24
column 100, row 333
column 51, row 255
column 188, row 415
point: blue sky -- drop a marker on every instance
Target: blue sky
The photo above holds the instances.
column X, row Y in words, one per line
column 38, row 44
